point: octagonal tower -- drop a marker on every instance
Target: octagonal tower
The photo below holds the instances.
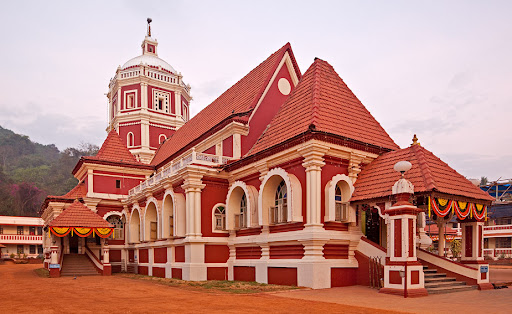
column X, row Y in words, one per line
column 148, row 101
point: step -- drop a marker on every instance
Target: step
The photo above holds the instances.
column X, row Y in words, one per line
column 439, row 279
column 435, row 275
column 429, row 271
column 443, row 284
column 451, row 289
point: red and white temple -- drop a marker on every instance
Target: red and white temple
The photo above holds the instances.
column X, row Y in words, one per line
column 285, row 178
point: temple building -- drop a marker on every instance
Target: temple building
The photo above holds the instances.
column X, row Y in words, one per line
column 285, row 178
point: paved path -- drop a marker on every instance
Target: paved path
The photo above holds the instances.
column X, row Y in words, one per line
column 501, row 274
column 491, row 301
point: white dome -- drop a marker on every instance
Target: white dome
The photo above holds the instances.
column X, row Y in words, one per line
column 149, row 60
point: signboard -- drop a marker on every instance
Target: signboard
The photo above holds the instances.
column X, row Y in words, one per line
column 484, row 269
column 54, row 265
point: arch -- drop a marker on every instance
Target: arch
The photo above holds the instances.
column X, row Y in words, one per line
column 130, row 139
column 219, row 218
column 233, row 200
column 116, row 219
column 168, row 216
column 344, row 184
column 179, row 213
column 161, row 138
column 135, row 225
column 151, row 222
column 266, row 197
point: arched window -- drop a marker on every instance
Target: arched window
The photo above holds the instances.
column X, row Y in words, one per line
column 278, row 213
column 340, row 207
column 161, row 138
column 130, row 139
column 220, row 218
column 118, row 223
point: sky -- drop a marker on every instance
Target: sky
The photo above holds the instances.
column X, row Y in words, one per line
column 438, row 69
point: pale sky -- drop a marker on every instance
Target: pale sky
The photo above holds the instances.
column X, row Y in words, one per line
column 440, row 69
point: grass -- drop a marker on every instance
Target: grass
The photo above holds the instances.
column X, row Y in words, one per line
column 236, row 287
column 42, row 272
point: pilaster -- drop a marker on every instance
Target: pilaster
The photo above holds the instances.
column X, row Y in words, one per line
column 313, row 163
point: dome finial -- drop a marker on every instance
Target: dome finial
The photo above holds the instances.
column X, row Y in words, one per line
column 149, row 26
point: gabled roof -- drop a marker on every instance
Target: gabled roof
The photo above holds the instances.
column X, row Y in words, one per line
column 428, row 173
column 323, row 102
column 79, row 215
column 238, row 101
column 113, row 152
column 113, row 149
column 79, row 191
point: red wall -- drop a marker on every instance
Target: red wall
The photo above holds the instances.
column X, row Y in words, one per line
column 176, row 273
column 266, row 111
column 143, row 270
column 179, row 254
column 154, row 135
column 227, row 147
column 159, row 272
column 131, row 255
column 244, row 273
column 103, row 209
column 216, row 273
column 287, row 252
column 107, row 184
column 215, row 192
column 143, row 256
column 135, row 129
column 342, row 277
column 282, row 276
column 115, row 255
column 216, row 253
column 210, row 150
column 248, row 252
column 336, row 251
column 130, row 87
column 160, row 255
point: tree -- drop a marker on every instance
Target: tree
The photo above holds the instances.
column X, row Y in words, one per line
column 484, row 181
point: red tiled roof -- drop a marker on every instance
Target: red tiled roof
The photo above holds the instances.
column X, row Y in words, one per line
column 79, row 215
column 428, row 173
column 113, row 149
column 322, row 99
column 239, row 98
column 79, row 191
column 433, row 229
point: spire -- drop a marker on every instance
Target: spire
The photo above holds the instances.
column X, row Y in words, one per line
column 149, row 26
column 415, row 141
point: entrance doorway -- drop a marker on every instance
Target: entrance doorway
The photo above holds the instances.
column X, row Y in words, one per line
column 372, row 224
column 73, row 244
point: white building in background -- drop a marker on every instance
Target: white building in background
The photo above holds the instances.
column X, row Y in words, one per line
column 21, row 235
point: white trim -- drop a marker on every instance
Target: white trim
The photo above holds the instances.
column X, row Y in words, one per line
column 330, row 190
column 149, row 201
column 135, row 98
column 294, row 196
column 160, row 136
column 252, row 204
column 225, row 215
column 128, row 139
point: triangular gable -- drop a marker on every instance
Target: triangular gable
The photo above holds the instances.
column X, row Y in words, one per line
column 79, row 215
column 236, row 103
column 113, row 149
column 428, row 173
column 323, row 102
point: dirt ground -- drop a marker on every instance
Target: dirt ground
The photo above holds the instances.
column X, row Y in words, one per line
column 22, row 291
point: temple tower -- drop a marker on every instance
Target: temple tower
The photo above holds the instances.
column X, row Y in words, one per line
column 148, row 101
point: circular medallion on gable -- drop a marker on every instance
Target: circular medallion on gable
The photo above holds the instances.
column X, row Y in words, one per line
column 284, row 86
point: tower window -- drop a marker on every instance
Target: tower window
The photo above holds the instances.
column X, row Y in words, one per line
column 130, row 102
column 118, row 184
column 160, row 104
column 130, row 139
column 161, row 138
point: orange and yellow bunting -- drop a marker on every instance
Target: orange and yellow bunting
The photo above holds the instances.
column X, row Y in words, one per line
column 442, row 207
column 81, row 231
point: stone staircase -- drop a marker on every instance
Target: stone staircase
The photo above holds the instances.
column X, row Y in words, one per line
column 77, row 265
column 437, row 283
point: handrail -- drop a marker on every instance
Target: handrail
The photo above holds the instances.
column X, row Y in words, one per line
column 445, row 259
column 93, row 258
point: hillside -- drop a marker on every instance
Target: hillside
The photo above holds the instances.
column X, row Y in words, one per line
column 29, row 171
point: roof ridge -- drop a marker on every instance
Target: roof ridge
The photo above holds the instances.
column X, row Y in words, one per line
column 316, row 92
column 430, row 183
